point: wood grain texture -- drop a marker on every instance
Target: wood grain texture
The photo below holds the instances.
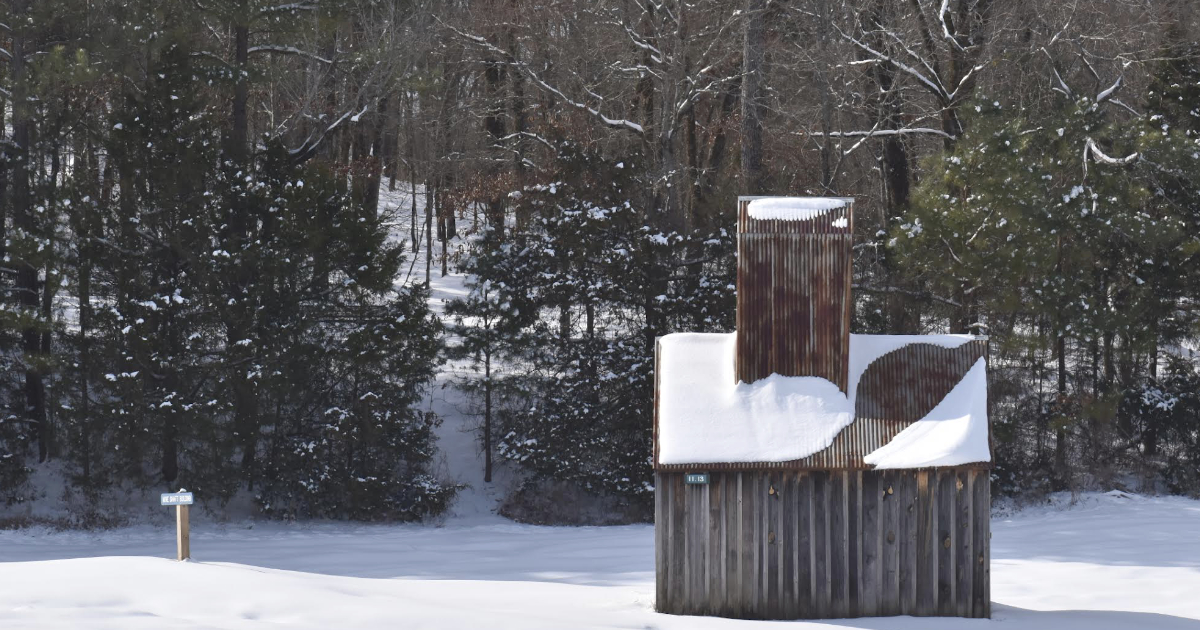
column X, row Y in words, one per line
column 823, row 545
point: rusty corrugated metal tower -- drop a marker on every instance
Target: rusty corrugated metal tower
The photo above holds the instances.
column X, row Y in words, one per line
column 793, row 294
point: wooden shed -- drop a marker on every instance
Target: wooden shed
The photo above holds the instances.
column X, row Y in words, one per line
column 804, row 472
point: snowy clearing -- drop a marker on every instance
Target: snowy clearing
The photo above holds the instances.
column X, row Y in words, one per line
column 1112, row 561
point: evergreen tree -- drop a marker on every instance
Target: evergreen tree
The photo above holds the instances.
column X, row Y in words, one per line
column 1060, row 219
column 580, row 295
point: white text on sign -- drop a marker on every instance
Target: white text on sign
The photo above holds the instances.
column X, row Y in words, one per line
column 176, row 498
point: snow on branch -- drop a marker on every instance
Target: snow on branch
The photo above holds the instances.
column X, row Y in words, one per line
column 1103, row 96
column 946, row 27
column 655, row 54
column 1106, row 159
column 1062, row 84
column 933, row 84
column 294, row 6
column 615, row 123
column 1091, row 148
column 534, row 136
column 879, row 133
column 287, row 50
column 310, row 145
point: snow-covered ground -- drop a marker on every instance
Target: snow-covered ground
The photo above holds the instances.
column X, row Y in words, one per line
column 457, row 436
column 1111, row 561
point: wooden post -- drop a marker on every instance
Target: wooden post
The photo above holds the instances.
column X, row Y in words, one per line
column 182, row 545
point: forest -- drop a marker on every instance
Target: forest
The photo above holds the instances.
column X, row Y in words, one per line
column 200, row 286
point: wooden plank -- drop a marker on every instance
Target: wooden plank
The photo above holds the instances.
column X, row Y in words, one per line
column 748, row 570
column 945, row 543
column 183, row 543
column 854, row 542
column 689, row 600
column 661, row 494
column 678, row 554
column 963, row 493
column 890, row 540
column 716, row 537
column 981, row 605
column 926, row 557
column 739, row 588
column 698, row 547
column 820, row 546
column 838, row 543
column 910, row 516
column 804, row 547
column 870, row 575
column 732, row 551
column 787, row 538
column 772, row 584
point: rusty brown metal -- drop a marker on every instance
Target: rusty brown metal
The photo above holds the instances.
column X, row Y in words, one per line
column 793, row 298
column 906, row 384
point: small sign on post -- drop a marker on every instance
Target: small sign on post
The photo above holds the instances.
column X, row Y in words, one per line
column 181, row 500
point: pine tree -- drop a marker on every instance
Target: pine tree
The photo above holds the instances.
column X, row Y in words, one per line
column 1059, row 219
column 579, row 296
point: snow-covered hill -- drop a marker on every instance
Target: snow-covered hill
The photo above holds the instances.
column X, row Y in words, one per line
column 457, row 436
column 1110, row 562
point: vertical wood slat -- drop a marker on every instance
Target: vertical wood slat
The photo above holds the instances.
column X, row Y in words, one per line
column 838, row 544
column 926, row 555
column 662, row 568
column 981, row 604
column 870, row 576
column 804, row 550
column 820, row 545
column 891, row 539
column 769, row 543
column 854, row 536
column 963, row 575
column 676, row 589
column 785, row 537
column 945, row 542
column 842, row 545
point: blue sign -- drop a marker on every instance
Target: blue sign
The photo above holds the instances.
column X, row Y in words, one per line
column 176, row 498
column 696, row 478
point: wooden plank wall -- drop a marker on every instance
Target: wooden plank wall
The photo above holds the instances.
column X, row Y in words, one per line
column 787, row 544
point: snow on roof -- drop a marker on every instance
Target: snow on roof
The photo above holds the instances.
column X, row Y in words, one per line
column 955, row 432
column 703, row 416
column 793, row 208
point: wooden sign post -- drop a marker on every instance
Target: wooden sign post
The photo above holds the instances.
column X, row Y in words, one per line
column 181, row 500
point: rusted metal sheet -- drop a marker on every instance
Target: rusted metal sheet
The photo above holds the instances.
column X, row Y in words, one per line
column 906, row 384
column 793, row 298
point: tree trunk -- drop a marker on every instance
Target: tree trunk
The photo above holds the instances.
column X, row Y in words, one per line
column 753, row 54
column 1060, row 441
column 487, row 415
column 240, row 130
column 493, row 123
column 24, row 223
